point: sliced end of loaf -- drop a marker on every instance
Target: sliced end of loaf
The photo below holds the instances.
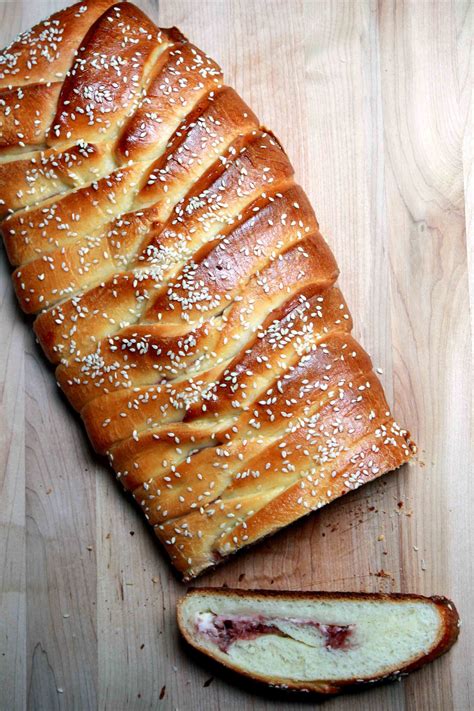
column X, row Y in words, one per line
column 317, row 642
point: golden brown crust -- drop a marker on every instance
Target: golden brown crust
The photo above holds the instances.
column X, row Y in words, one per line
column 97, row 94
column 44, row 173
column 45, row 53
column 26, row 113
column 171, row 95
column 448, row 634
column 40, row 230
column 181, row 284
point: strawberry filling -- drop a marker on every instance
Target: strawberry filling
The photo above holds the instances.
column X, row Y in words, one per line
column 224, row 630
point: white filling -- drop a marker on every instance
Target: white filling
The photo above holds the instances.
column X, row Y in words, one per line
column 385, row 636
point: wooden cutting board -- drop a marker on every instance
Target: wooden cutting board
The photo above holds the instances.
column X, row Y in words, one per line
column 371, row 101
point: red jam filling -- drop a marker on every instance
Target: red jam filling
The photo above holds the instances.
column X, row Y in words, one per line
column 224, row 630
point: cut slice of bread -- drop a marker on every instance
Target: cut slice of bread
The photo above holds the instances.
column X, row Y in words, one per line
column 317, row 641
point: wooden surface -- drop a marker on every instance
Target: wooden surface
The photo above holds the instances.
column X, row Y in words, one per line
column 372, row 102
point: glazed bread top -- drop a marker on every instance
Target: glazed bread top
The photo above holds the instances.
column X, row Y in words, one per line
column 180, row 284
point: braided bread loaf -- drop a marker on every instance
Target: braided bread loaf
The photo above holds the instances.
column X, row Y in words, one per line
column 181, row 285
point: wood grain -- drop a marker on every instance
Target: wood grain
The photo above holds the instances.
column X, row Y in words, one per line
column 372, row 102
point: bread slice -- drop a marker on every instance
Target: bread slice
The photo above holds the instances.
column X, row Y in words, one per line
column 317, row 642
